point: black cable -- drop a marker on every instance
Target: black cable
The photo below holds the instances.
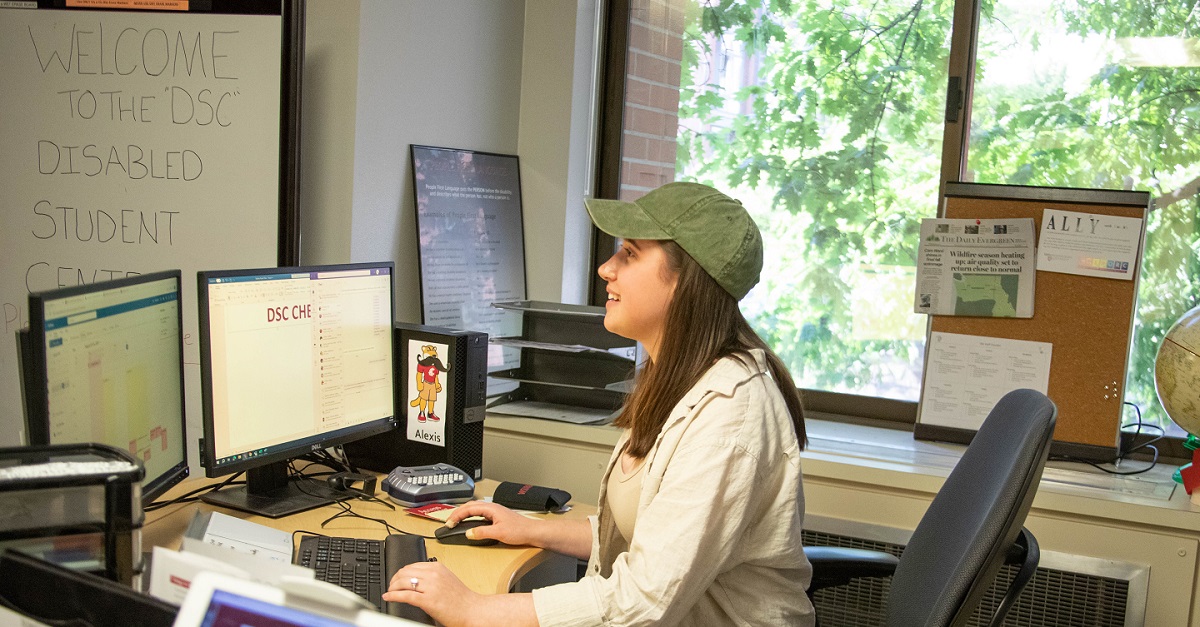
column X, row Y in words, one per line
column 300, row 479
column 346, row 459
column 329, row 460
column 363, row 496
column 292, row 472
column 1099, row 465
column 353, row 493
column 1139, row 424
column 321, row 458
column 191, row 497
column 326, row 535
column 311, row 533
column 349, row 511
column 346, row 510
column 1120, row 456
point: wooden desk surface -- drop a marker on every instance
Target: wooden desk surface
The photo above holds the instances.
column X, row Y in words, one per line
column 489, row 570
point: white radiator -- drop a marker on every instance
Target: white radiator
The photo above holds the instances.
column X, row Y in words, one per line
column 1066, row 591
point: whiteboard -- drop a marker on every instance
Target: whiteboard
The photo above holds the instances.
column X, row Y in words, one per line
column 133, row 142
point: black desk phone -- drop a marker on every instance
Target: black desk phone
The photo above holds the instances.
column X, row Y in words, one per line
column 411, row 486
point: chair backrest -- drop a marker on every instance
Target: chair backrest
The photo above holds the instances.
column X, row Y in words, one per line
column 960, row 543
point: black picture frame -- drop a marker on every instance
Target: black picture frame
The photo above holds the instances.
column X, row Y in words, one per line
column 470, row 241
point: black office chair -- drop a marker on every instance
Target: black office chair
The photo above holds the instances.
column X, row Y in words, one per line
column 972, row 527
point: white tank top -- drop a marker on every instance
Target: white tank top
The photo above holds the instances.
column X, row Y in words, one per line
column 623, row 493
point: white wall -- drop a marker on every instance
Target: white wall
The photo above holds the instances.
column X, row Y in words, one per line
column 328, row 99
column 558, row 78
column 435, row 73
column 502, row 76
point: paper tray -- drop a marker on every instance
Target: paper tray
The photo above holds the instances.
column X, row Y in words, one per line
column 552, row 411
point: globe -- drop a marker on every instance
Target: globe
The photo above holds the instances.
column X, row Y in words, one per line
column 1177, row 372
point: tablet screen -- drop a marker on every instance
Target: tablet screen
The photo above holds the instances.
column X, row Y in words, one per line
column 215, row 600
column 227, row 609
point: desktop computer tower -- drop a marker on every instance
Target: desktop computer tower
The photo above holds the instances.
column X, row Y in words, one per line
column 441, row 387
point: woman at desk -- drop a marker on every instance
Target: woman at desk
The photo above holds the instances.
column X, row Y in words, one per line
column 701, row 505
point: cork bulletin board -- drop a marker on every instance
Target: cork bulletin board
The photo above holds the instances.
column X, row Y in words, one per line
column 1088, row 320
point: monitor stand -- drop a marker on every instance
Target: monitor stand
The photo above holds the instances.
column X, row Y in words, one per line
column 270, row 492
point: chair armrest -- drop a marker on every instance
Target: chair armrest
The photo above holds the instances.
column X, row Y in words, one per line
column 1025, row 553
column 835, row 565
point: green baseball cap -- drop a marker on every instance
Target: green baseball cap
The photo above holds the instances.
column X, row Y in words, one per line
column 713, row 228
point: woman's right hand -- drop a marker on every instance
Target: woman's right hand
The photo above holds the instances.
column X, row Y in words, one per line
column 507, row 526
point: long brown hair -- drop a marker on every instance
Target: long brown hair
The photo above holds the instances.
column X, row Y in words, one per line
column 703, row 325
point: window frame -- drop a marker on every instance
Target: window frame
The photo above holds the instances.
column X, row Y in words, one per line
column 609, row 129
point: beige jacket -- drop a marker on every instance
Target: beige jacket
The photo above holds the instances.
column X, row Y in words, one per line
column 717, row 539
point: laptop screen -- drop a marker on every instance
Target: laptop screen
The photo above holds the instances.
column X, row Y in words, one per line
column 226, row 609
column 215, row 600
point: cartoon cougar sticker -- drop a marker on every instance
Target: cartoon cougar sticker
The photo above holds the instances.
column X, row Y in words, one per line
column 429, row 370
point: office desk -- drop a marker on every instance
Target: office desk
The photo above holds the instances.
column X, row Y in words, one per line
column 489, row 570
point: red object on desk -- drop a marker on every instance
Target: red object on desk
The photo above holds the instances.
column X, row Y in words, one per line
column 433, row 511
column 1191, row 473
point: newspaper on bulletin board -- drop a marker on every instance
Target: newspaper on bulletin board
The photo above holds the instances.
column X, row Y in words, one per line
column 976, row 267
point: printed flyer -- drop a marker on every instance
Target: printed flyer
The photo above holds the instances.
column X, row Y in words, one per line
column 1089, row 244
column 976, row 268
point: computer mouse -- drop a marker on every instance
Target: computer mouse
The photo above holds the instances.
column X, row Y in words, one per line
column 458, row 533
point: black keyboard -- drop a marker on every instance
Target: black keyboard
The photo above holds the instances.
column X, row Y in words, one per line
column 364, row 567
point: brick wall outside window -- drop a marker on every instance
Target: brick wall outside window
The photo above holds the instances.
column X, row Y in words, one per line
column 651, row 96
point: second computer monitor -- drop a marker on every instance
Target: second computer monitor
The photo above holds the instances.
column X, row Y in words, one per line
column 104, row 363
column 292, row 360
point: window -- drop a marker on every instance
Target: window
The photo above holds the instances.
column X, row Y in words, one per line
column 829, row 121
column 1096, row 94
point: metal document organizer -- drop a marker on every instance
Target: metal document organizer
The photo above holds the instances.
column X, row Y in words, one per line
column 571, row 367
column 76, row 505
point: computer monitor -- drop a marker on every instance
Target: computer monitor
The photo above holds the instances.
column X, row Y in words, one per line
column 104, row 363
column 292, row 360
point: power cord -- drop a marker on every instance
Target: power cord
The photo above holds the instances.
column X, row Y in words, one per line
column 1116, row 461
column 348, row 511
column 293, row 472
column 194, row 495
column 321, row 458
column 345, row 459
